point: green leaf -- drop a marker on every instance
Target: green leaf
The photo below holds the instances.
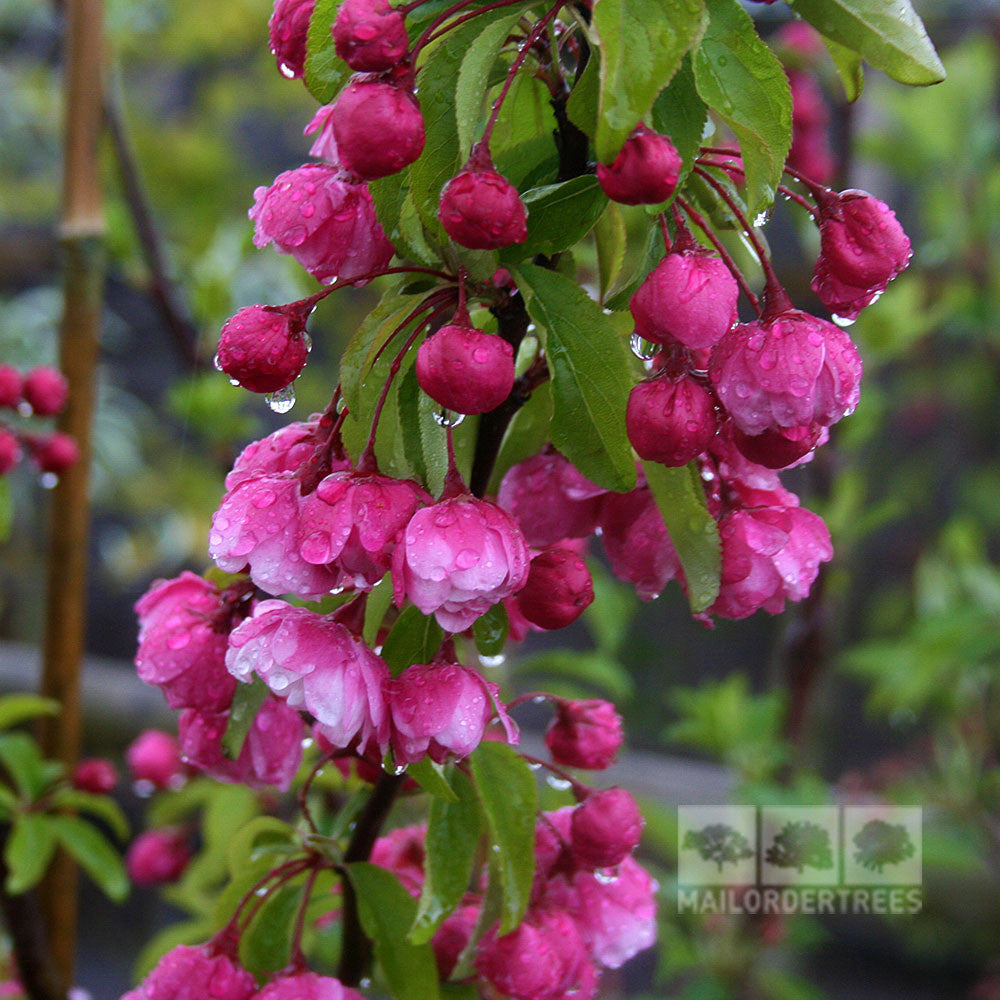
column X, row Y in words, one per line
column 415, row 638
column 29, row 850
column 591, row 376
column 642, row 43
column 741, row 79
column 424, row 442
column 886, row 33
column 17, row 708
column 430, row 776
column 582, row 106
column 680, row 113
column 247, row 700
column 490, row 630
column 266, row 945
column 94, row 855
column 610, row 240
column 387, row 912
column 521, row 143
column 99, row 806
column 506, row 787
column 559, row 216
column 262, row 830
column 849, row 68
column 326, row 73
column 692, row 529
column 526, row 435
column 379, row 601
column 596, row 669
column 452, row 838
column 20, row 755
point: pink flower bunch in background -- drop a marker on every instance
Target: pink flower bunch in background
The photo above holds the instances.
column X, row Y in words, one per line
column 41, row 392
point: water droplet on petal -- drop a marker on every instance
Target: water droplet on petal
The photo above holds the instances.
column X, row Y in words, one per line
column 282, row 400
column 643, row 349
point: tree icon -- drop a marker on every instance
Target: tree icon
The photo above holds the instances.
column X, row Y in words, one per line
column 880, row 843
column 719, row 843
column 800, row 845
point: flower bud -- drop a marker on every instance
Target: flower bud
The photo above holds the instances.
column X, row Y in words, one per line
column 55, row 453
column 585, row 734
column 11, row 383
column 10, row 451
column 369, row 35
column 465, row 369
column 452, row 937
column 862, row 248
column 645, row 172
column 96, row 775
column 605, row 828
column 558, row 591
column 670, row 422
column 46, row 390
column 778, row 448
column 689, row 297
column 480, row 209
column 154, row 756
column 264, row 347
column 289, row 28
column 185, row 973
column 306, row 986
column 157, row 857
column 378, row 127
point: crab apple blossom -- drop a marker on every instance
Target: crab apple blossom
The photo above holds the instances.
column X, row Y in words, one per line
column 157, row 857
column 441, row 709
column 316, row 664
column 669, row 420
column 688, row 298
column 263, row 348
column 324, row 146
column 403, row 851
column 465, row 369
column 645, row 171
column 96, row 775
column 542, row 959
column 45, row 390
column 288, row 27
column 605, row 828
column 324, row 220
column 550, row 499
column 257, row 526
column 779, row 448
column 769, row 554
column 636, row 542
column 378, row 128
column 452, row 937
column 286, row 450
column 585, row 734
column 370, row 35
column 271, row 751
column 457, row 559
column 11, row 385
column 352, row 521
column 789, row 370
column 10, row 451
column 155, row 756
column 307, row 986
column 862, row 248
column 188, row 973
column 481, row 210
column 181, row 650
column 558, row 591
column 55, row 453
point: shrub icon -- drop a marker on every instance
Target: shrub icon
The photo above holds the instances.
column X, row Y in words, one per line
column 799, row 845
column 880, row 843
column 719, row 843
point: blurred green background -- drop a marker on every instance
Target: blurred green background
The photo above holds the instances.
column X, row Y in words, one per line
column 884, row 684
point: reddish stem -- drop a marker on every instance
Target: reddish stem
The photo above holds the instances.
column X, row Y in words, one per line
column 468, row 17
column 666, row 232
column 429, row 30
column 298, row 960
column 454, row 484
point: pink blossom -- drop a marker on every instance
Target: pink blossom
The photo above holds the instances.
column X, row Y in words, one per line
column 283, row 451
column 352, row 522
column 645, row 172
column 271, row 752
column 552, row 847
column 550, row 499
column 264, row 348
column 10, row 451
column 481, row 209
column 605, row 828
column 636, row 541
column 158, row 857
column 45, row 390
column 324, row 146
column 558, row 591
column 96, row 775
column 457, row 559
column 369, row 35
column 307, row 986
column 154, row 756
column 769, row 554
column 257, row 525
column 289, row 26
column 442, row 709
column 464, row 369
column 670, row 421
column 402, row 852
column 181, row 649
column 55, row 452
column 788, row 371
column 187, row 973
column 317, row 665
column 11, row 387
column 452, row 936
column 326, row 222
column 585, row 734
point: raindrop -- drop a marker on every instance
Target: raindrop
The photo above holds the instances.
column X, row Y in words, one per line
column 492, row 661
column 287, row 70
column 559, row 784
column 448, row 418
column 534, row 765
column 606, row 876
column 234, row 381
column 399, row 769
column 217, row 363
column 643, row 349
column 308, row 341
column 842, row 321
column 49, row 480
column 539, row 699
column 143, row 789
column 282, row 400
column 762, row 218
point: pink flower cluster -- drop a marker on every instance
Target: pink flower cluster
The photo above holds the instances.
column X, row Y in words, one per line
column 41, row 392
